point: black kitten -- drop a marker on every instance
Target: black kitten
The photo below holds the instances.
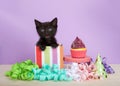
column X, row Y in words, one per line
column 46, row 31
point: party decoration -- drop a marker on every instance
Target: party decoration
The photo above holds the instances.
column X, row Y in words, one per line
column 81, row 72
column 77, row 43
column 50, row 73
column 49, row 56
column 100, row 70
column 108, row 68
column 22, row 71
column 77, row 60
column 78, row 49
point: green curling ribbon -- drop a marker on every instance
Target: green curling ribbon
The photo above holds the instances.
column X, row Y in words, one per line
column 22, row 71
column 50, row 73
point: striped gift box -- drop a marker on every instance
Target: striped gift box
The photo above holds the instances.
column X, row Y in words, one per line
column 49, row 56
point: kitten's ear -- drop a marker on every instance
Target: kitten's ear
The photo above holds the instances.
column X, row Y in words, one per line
column 37, row 23
column 54, row 22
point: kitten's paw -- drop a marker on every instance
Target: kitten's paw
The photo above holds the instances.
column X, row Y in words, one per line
column 42, row 47
column 54, row 45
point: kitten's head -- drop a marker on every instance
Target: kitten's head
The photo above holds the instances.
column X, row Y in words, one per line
column 46, row 29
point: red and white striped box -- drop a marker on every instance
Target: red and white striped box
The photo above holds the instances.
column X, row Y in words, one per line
column 49, row 56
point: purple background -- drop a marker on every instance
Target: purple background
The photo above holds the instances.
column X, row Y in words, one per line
column 96, row 22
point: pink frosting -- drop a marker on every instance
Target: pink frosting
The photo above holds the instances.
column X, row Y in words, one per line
column 77, row 43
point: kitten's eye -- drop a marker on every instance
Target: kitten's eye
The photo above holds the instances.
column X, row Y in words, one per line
column 50, row 29
column 42, row 30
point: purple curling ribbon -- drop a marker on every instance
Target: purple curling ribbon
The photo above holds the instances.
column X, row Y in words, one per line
column 108, row 68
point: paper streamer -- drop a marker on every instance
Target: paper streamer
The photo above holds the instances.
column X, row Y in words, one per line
column 22, row 71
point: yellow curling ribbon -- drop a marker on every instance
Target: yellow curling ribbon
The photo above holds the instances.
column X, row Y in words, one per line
column 22, row 71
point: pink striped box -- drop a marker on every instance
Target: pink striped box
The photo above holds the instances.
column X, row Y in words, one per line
column 49, row 56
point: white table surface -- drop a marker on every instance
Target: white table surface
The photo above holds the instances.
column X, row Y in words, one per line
column 112, row 80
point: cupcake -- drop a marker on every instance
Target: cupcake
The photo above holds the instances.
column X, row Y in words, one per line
column 78, row 49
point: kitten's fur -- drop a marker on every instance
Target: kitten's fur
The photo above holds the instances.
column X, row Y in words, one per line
column 47, row 32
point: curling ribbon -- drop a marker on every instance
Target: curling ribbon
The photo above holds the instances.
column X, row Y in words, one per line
column 108, row 68
column 81, row 72
column 50, row 73
column 22, row 71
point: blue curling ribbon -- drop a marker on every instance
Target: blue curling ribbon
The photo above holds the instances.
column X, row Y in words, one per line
column 50, row 73
column 42, row 77
column 55, row 68
column 49, row 77
column 36, row 70
column 56, row 77
column 36, row 77
column 62, row 77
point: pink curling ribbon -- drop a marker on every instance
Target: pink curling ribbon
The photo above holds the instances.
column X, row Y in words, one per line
column 81, row 72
